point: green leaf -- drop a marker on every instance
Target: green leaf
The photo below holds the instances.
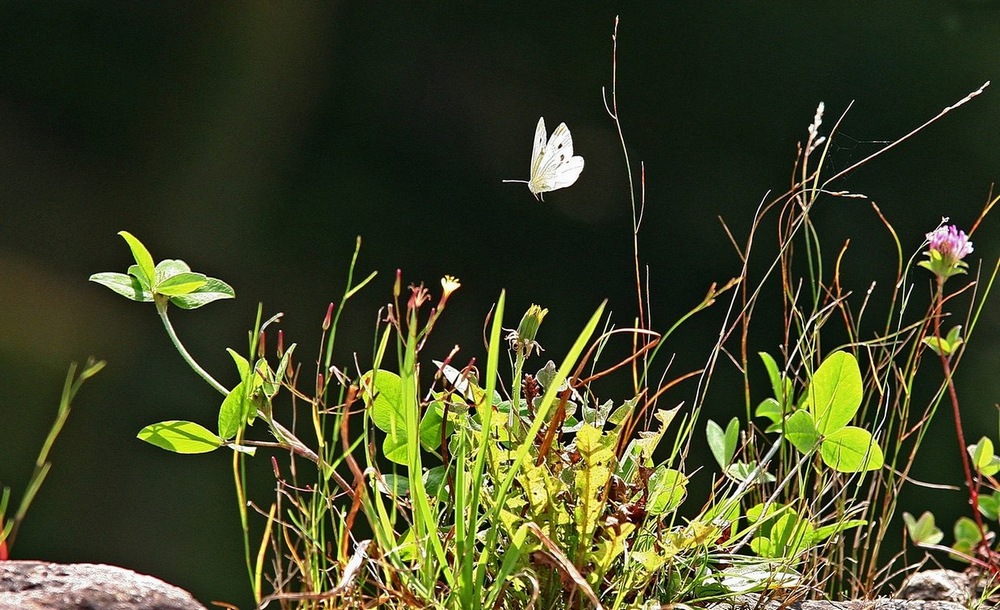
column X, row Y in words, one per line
column 212, row 290
column 233, row 412
column 923, row 530
column 723, row 444
column 851, row 449
column 801, row 432
column 639, row 451
column 180, row 437
column 967, row 537
column 989, row 506
column 773, row 373
column 983, row 459
column 667, row 490
column 180, row 284
column 835, row 392
column 242, row 364
column 145, row 270
column 771, row 409
column 430, row 426
column 168, row 268
column 126, row 285
column 594, row 471
column 380, row 391
column 939, row 346
column 281, row 371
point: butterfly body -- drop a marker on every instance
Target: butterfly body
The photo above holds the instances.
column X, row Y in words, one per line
column 553, row 165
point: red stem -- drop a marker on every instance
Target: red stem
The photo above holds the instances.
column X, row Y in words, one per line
column 953, row 395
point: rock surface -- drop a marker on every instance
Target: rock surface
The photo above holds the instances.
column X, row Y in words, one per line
column 929, row 590
column 37, row 585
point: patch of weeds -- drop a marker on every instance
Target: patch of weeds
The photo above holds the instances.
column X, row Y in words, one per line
column 434, row 480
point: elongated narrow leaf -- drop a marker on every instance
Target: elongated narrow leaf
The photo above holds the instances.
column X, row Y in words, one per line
column 180, row 437
column 773, row 374
column 143, row 259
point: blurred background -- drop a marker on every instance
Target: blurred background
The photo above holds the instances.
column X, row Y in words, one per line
column 257, row 140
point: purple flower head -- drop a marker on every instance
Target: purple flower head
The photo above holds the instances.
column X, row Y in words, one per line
column 948, row 246
column 950, row 242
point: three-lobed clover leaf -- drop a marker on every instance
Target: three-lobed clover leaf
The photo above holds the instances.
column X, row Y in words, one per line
column 171, row 279
column 832, row 399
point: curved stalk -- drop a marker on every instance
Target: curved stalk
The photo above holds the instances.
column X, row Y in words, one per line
column 161, row 308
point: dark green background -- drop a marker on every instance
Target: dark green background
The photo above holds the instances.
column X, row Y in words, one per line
column 256, row 140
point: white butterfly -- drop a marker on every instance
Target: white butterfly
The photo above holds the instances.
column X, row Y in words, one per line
column 553, row 165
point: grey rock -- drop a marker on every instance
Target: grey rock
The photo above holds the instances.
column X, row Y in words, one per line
column 37, row 585
column 943, row 585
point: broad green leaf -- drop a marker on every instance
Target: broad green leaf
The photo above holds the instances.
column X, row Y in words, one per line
column 939, row 346
column 395, row 485
column 983, row 459
column 851, row 449
column 667, row 490
column 967, row 537
column 789, row 536
column 145, row 269
column 801, row 432
column 434, row 479
column 232, row 413
column 430, row 427
column 242, row 365
column 168, row 268
column 126, row 285
column 212, row 290
column 771, row 409
column 923, row 530
column 757, row 513
column 989, row 506
column 180, row 284
column 723, row 444
column 180, row 437
column 380, row 391
column 835, row 392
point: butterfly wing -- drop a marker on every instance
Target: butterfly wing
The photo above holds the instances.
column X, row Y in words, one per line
column 555, row 167
column 537, row 152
